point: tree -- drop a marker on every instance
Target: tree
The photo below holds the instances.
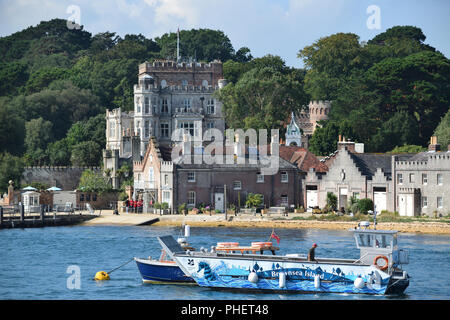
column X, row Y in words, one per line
column 12, row 129
column 254, row 200
column 243, row 55
column 324, row 140
column 331, row 200
column 86, row 153
column 442, row 131
column 198, row 44
column 11, row 168
column 364, row 205
column 408, row 149
column 263, row 97
column 59, row 153
column 92, row 181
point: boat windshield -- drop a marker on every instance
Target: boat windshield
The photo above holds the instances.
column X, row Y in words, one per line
column 386, row 241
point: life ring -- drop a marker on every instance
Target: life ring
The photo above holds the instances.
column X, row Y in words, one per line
column 261, row 244
column 227, row 244
column 375, row 262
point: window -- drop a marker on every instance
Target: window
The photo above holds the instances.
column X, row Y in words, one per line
column 138, row 126
column 205, row 83
column 237, row 185
column 166, row 179
column 284, row 200
column 184, row 82
column 191, row 198
column 440, row 202
column 400, row 178
column 440, row 179
column 186, row 105
column 146, row 129
column 191, row 176
column 88, row 197
column 424, row 178
column 94, row 197
column 188, row 126
column 81, row 196
column 147, row 105
column 151, row 175
column 259, row 177
column 210, row 125
column 164, row 106
column 284, row 176
column 164, row 130
column 424, row 202
column 210, row 106
column 163, row 83
column 356, row 195
column 411, row 178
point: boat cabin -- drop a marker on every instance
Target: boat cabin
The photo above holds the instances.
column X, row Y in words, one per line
column 377, row 245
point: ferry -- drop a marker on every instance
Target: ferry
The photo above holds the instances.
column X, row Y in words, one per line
column 377, row 270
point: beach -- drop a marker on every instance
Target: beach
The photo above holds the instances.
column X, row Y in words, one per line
column 292, row 221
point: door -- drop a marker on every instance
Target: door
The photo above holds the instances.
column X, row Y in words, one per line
column 406, row 205
column 379, row 200
column 311, row 198
column 218, row 201
column 343, row 198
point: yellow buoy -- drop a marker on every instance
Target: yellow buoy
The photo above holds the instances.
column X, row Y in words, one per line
column 101, row 275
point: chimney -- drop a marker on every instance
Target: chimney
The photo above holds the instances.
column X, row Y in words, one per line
column 434, row 145
column 349, row 145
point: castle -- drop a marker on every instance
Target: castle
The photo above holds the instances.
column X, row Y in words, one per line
column 168, row 96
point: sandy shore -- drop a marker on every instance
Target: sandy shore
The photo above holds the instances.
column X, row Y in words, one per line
column 274, row 221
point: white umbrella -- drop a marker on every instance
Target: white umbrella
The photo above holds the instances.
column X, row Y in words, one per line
column 29, row 188
column 54, row 189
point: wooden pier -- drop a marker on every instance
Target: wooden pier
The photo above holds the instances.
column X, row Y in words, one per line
column 11, row 219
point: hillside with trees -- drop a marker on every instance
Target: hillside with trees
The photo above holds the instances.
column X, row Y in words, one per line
column 56, row 83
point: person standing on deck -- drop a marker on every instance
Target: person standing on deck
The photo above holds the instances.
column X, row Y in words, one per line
column 311, row 253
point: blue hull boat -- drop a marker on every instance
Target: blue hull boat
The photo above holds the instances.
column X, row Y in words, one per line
column 154, row 271
column 296, row 273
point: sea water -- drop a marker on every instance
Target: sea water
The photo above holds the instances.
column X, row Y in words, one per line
column 59, row 263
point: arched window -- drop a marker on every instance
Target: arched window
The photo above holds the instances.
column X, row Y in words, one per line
column 204, row 83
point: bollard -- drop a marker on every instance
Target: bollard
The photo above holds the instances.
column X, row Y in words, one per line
column 22, row 212
column 42, row 212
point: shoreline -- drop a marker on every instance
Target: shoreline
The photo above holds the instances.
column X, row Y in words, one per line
column 274, row 221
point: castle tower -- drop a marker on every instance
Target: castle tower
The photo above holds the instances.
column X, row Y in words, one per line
column 293, row 133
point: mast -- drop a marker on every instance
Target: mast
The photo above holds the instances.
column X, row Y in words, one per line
column 178, row 45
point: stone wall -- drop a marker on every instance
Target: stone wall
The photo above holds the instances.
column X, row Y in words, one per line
column 66, row 178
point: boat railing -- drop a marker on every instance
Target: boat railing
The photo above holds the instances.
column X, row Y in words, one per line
column 360, row 258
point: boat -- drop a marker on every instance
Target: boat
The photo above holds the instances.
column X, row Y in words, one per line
column 376, row 271
column 164, row 269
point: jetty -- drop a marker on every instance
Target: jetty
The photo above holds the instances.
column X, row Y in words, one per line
column 12, row 217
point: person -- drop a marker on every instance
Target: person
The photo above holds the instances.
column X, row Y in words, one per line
column 127, row 204
column 311, row 253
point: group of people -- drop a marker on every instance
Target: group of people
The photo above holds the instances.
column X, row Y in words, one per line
column 134, row 206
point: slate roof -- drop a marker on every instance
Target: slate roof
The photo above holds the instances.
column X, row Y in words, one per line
column 368, row 163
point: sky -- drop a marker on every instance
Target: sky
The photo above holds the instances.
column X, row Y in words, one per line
column 278, row 27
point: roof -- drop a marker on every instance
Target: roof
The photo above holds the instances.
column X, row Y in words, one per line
column 368, row 163
column 302, row 158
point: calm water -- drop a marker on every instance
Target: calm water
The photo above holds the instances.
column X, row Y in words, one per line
column 34, row 262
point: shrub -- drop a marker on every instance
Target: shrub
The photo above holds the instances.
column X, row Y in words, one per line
column 364, row 205
column 331, row 200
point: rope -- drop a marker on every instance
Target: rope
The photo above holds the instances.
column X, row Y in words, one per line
column 121, row 265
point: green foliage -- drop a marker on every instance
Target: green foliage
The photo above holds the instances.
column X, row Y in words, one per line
column 263, row 97
column 364, row 205
column 442, row 131
column 331, row 200
column 408, row 149
column 202, row 45
column 254, row 200
column 11, row 168
column 86, row 153
column 92, row 181
column 12, row 129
